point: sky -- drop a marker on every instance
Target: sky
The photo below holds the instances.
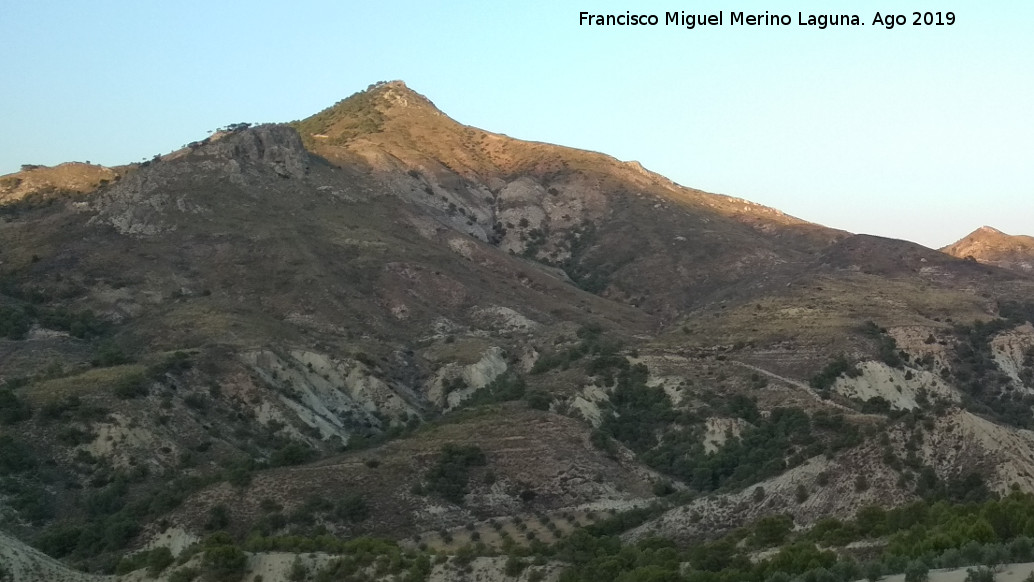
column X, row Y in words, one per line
column 915, row 132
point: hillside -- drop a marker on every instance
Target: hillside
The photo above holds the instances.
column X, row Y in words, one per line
column 994, row 247
column 376, row 338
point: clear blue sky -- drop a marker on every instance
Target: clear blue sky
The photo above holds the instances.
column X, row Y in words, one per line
column 915, row 133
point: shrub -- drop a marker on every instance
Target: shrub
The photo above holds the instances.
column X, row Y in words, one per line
column 539, row 400
column 218, row 517
column 352, row 508
column 833, row 370
column 158, row 560
column 448, row 478
column 514, row 566
column 771, row 530
column 184, row 574
column 131, row 386
column 298, row 571
column 14, row 323
column 13, row 409
column 15, row 456
column 293, row 453
column 917, row 571
column 980, row 574
column 223, row 562
column 109, row 354
column 873, row 571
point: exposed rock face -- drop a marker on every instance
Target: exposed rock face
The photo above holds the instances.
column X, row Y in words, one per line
column 474, row 377
column 278, row 147
column 337, row 397
column 902, row 389
column 139, row 205
column 1010, row 349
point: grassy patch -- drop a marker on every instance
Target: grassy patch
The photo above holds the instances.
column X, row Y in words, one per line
column 97, row 380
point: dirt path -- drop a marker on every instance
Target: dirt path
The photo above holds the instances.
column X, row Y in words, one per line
column 796, row 384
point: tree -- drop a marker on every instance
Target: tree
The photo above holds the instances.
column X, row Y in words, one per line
column 917, row 571
column 873, row 571
column 980, row 574
column 448, row 478
column 298, row 571
column 772, row 530
column 223, row 561
column 158, row 560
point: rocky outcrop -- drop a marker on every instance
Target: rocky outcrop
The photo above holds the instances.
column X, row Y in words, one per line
column 337, row 397
column 903, row 389
column 144, row 202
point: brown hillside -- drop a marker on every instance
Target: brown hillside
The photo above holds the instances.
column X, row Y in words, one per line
column 994, row 247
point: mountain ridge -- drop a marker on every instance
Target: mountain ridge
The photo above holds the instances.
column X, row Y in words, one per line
column 422, row 331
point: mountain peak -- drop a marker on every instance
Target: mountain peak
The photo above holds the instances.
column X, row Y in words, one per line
column 364, row 112
column 994, row 247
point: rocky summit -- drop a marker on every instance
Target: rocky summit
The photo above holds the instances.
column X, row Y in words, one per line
column 377, row 344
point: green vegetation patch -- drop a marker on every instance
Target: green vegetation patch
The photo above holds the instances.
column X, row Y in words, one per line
column 988, row 390
column 89, row 382
column 449, row 476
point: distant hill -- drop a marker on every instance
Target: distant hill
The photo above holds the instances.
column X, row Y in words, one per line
column 994, row 247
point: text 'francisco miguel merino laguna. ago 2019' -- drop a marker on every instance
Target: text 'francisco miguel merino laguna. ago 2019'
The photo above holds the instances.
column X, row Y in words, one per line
column 821, row 21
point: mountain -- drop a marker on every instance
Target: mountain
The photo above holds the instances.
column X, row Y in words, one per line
column 352, row 340
column 994, row 247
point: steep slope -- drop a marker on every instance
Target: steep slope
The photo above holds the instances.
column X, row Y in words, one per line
column 613, row 227
column 994, row 247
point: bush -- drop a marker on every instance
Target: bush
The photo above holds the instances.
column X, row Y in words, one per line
column 223, row 562
column 158, row 560
column 293, row 453
column 15, row 456
column 185, row 575
column 13, row 409
column 833, row 370
column 771, row 531
column 917, row 571
column 218, row 517
column 980, row 574
column 109, row 354
column 352, row 508
column 514, row 566
column 873, row 571
column 448, row 478
column 131, row 386
column 298, row 571
column 14, row 323
column 539, row 400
